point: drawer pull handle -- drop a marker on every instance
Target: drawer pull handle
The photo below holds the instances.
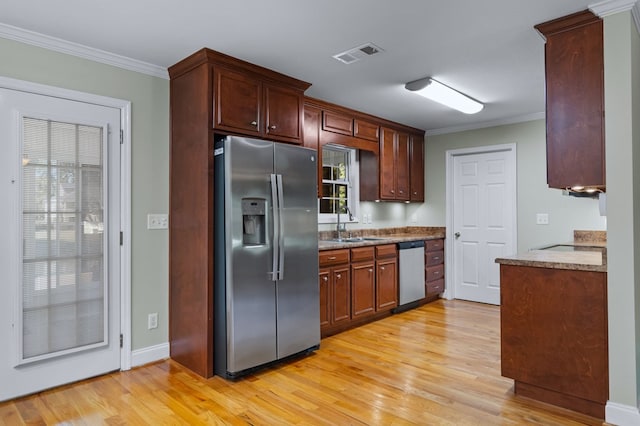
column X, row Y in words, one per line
column 436, row 257
column 332, row 258
column 436, row 273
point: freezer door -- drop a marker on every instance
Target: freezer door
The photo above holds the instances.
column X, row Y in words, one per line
column 250, row 301
column 298, row 303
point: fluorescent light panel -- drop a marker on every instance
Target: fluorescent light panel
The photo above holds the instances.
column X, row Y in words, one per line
column 438, row 92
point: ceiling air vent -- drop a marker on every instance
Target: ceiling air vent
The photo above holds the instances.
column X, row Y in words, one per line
column 353, row 55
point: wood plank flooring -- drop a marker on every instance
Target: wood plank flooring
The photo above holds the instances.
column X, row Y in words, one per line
column 435, row 365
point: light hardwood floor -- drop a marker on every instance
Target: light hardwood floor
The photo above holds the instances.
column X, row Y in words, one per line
column 435, row 365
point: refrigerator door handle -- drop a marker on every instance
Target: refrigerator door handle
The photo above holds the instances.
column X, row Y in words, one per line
column 275, row 244
column 281, row 227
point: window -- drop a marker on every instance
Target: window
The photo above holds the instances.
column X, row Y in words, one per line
column 339, row 184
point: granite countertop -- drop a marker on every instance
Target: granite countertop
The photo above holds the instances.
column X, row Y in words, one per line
column 583, row 254
column 383, row 236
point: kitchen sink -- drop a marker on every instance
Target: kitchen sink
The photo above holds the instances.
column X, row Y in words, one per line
column 356, row 239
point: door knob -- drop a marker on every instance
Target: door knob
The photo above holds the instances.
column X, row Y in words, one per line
column 457, row 235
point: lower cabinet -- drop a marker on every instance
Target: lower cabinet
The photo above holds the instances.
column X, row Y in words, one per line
column 433, row 269
column 386, row 277
column 363, row 282
column 335, row 288
column 357, row 285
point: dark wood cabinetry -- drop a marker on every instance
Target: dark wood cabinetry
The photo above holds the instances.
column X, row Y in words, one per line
column 391, row 155
column 574, row 65
column 397, row 173
column 386, row 277
column 434, row 268
column 363, row 282
column 554, row 335
column 357, row 286
column 416, row 168
column 212, row 92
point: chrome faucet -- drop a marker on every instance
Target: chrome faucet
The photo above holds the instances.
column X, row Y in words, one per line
column 346, row 210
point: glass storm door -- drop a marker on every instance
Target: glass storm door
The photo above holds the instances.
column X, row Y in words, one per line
column 60, row 248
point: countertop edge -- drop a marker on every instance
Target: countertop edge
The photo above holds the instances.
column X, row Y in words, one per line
column 386, row 239
column 552, row 265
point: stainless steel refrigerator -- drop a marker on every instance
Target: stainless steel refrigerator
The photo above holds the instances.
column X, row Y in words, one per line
column 266, row 297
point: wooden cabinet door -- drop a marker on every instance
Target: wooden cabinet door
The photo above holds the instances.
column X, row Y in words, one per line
column 237, row 100
column 387, row 165
column 283, row 111
column 341, row 295
column 363, row 289
column 416, row 168
column 365, row 130
column 325, row 297
column 386, row 284
column 402, row 167
column 311, row 136
column 337, row 123
column 574, row 65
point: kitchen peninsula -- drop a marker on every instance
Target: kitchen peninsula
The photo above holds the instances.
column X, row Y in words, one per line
column 553, row 318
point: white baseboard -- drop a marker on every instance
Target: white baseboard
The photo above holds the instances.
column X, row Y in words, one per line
column 149, row 354
column 621, row 415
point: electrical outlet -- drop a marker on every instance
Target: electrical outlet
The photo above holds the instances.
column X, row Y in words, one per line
column 542, row 218
column 152, row 321
column 157, row 221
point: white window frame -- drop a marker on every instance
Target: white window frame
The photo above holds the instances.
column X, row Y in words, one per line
column 353, row 199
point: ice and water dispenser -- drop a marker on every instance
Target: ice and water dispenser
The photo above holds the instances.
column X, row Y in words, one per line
column 254, row 221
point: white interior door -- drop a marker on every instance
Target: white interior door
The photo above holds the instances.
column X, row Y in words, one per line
column 60, row 245
column 484, row 211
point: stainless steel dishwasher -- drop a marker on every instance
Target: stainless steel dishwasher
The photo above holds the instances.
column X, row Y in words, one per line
column 411, row 279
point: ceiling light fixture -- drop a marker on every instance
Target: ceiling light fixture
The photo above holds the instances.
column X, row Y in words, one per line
column 436, row 91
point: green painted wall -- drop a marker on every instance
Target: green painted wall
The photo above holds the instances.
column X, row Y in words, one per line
column 149, row 98
column 623, row 198
column 533, row 196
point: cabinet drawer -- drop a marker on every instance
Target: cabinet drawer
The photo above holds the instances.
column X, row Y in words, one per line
column 434, row 245
column 334, row 257
column 435, row 287
column 433, row 258
column 362, row 253
column 366, row 130
column 434, row 273
column 337, row 123
column 386, row 250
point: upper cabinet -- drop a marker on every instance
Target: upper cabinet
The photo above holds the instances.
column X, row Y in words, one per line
column 247, row 99
column 394, row 165
column 416, row 168
column 574, row 64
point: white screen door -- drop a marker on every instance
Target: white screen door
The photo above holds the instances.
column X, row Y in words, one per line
column 484, row 209
column 60, row 248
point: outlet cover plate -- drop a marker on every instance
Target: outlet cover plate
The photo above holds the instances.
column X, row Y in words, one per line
column 157, row 221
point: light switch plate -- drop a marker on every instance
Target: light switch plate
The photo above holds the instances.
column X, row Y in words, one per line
column 157, row 221
column 542, row 218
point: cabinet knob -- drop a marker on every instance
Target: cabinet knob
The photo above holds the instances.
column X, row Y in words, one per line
column 370, row 270
column 338, row 276
column 272, row 127
column 415, row 193
column 401, row 191
column 382, row 268
column 325, row 279
column 393, row 192
column 254, row 123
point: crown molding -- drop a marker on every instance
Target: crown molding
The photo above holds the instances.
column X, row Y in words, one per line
column 75, row 49
column 485, row 124
column 611, row 7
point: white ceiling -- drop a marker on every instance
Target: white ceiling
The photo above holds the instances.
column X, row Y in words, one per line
column 487, row 49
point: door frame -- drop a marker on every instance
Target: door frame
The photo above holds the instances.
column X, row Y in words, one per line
column 450, row 290
column 125, row 191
